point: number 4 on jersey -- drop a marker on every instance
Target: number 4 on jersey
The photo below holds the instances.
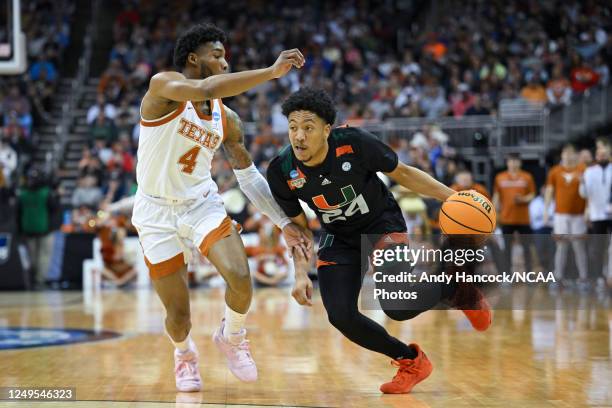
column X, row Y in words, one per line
column 189, row 160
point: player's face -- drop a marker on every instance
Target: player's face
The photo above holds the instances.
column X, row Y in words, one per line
column 210, row 59
column 513, row 164
column 569, row 156
column 464, row 180
column 308, row 135
column 603, row 152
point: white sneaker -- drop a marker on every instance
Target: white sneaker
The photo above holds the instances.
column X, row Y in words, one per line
column 239, row 359
column 186, row 370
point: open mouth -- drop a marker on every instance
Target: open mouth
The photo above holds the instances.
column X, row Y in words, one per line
column 299, row 148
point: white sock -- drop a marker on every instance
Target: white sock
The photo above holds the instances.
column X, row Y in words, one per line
column 234, row 323
column 183, row 345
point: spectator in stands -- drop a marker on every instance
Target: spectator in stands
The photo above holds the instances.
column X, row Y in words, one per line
column 102, row 128
column 269, row 253
column 36, row 203
column 102, row 151
column 113, row 82
column 461, row 100
column 87, row 194
column 464, row 181
column 89, row 165
column 43, row 68
column 563, row 181
column 114, row 189
column 433, row 103
column 477, row 107
column 512, row 192
column 542, row 238
column 8, row 160
column 585, row 157
column 534, row 92
column 15, row 102
column 117, row 269
column 603, row 70
column 595, row 187
column 583, row 77
column 101, row 105
column 558, row 89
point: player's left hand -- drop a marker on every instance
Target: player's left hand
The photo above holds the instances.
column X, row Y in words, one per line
column 298, row 240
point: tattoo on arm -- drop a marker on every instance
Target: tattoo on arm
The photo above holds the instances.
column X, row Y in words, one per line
column 234, row 147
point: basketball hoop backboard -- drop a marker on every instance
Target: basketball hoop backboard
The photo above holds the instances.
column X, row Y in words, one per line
column 13, row 53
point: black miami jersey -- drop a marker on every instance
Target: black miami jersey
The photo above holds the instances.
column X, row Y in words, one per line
column 344, row 191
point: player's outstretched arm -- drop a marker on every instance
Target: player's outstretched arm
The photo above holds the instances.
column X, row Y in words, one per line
column 255, row 186
column 175, row 87
column 420, row 182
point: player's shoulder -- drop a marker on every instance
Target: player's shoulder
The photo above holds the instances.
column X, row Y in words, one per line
column 554, row 169
column 349, row 133
column 166, row 76
column 352, row 140
column 526, row 175
column 282, row 163
column 501, row 175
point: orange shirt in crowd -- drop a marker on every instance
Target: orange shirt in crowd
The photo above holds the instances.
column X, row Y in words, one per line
column 566, row 183
column 508, row 187
column 476, row 186
column 536, row 94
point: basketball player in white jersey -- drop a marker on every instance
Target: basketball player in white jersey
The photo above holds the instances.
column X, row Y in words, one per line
column 183, row 124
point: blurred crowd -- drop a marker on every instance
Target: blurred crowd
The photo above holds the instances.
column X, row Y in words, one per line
column 377, row 60
column 26, row 100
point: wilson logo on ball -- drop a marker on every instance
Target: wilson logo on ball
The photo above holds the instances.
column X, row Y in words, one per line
column 467, row 212
column 477, row 199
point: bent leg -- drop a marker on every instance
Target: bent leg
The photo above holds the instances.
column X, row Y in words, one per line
column 340, row 286
column 173, row 291
column 227, row 254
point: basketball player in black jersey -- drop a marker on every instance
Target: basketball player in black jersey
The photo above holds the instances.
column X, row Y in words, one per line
column 334, row 172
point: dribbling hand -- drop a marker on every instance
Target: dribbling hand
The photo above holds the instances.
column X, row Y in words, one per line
column 285, row 61
column 302, row 290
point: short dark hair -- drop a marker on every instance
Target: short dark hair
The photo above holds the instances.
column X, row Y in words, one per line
column 568, row 146
column 313, row 100
column 513, row 156
column 191, row 39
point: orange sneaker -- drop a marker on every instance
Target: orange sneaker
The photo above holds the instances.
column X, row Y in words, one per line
column 409, row 373
column 470, row 300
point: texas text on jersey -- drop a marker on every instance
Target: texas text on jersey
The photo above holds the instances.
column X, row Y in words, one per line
column 344, row 190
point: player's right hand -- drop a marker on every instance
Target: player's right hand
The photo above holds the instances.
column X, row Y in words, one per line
column 302, row 290
column 286, row 60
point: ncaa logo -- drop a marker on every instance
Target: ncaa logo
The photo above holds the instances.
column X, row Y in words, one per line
column 294, row 173
column 5, row 247
column 346, row 166
column 216, row 116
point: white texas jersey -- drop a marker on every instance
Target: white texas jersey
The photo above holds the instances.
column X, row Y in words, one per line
column 175, row 152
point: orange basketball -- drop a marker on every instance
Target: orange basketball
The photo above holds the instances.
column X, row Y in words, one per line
column 467, row 212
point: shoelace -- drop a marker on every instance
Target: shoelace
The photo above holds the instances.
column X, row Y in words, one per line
column 407, row 368
column 183, row 366
column 242, row 351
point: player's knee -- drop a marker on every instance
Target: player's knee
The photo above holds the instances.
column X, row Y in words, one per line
column 179, row 317
column 238, row 278
column 341, row 319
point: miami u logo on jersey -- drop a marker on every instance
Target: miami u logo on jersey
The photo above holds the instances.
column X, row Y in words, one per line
column 350, row 205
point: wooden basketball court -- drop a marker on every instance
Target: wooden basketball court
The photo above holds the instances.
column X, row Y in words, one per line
column 547, row 358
